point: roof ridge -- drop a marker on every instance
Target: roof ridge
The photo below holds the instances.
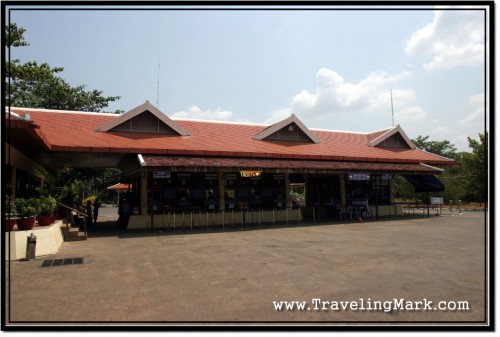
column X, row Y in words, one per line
column 385, row 129
column 64, row 111
column 218, row 122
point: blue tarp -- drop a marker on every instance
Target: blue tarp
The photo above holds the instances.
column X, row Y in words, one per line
column 425, row 183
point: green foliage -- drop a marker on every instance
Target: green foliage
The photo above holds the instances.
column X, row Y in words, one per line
column 70, row 185
column 443, row 148
column 402, row 189
column 465, row 181
column 37, row 86
column 475, row 166
column 14, row 36
column 71, row 192
column 52, row 183
column 46, row 205
column 294, row 195
column 26, row 208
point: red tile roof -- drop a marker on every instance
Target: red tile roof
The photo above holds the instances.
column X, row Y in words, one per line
column 120, row 186
column 76, row 132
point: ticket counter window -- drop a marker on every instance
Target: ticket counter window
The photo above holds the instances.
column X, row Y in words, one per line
column 265, row 191
column 183, row 192
column 375, row 189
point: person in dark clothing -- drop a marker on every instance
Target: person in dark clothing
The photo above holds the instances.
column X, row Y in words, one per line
column 97, row 205
column 124, row 210
column 89, row 213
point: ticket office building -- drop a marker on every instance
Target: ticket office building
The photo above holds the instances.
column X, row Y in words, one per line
column 169, row 192
column 198, row 166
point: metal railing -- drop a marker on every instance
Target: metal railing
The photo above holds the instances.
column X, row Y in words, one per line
column 189, row 219
column 70, row 209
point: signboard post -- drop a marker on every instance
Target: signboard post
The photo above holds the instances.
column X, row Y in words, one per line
column 437, row 201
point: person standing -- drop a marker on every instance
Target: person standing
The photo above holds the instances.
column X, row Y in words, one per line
column 89, row 213
column 97, row 205
column 124, row 207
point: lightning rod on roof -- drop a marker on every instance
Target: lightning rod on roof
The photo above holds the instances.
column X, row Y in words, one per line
column 392, row 110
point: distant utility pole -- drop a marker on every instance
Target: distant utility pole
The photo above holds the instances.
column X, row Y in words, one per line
column 392, row 109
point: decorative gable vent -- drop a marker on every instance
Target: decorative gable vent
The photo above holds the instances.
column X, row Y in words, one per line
column 144, row 118
column 290, row 129
column 145, row 122
column 395, row 138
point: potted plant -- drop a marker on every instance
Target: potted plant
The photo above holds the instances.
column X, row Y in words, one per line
column 46, row 208
column 10, row 216
column 26, row 209
column 51, row 187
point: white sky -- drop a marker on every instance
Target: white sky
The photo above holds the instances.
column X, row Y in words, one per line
column 334, row 69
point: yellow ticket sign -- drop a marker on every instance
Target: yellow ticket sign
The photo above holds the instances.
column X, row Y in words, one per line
column 250, row 174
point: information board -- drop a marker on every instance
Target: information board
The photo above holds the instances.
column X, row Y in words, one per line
column 358, row 176
column 161, row 175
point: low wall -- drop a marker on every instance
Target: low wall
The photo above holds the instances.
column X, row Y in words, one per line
column 48, row 241
column 389, row 210
column 197, row 219
column 383, row 210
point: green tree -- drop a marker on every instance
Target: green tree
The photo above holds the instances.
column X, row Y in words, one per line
column 402, row 189
column 443, row 148
column 452, row 177
column 475, row 165
column 14, row 36
column 36, row 85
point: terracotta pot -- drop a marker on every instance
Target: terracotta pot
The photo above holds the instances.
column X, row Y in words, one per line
column 45, row 220
column 9, row 224
column 25, row 224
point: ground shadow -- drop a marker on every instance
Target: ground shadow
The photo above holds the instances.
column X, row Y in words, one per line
column 109, row 228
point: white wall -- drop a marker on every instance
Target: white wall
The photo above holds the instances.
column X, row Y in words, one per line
column 48, row 241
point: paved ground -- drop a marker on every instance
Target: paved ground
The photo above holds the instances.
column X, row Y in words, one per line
column 235, row 275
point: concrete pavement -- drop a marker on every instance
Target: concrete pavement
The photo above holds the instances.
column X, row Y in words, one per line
column 231, row 276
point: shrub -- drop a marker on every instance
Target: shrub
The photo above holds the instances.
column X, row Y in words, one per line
column 46, row 205
column 26, row 208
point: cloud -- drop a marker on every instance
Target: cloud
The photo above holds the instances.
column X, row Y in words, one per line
column 194, row 112
column 475, row 117
column 453, row 38
column 440, row 131
column 278, row 115
column 477, row 99
column 410, row 115
column 334, row 95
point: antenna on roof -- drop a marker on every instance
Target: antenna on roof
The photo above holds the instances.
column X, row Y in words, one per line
column 392, row 109
column 158, row 89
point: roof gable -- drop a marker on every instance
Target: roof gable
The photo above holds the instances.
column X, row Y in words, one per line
column 290, row 128
column 66, row 131
column 144, row 118
column 394, row 137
